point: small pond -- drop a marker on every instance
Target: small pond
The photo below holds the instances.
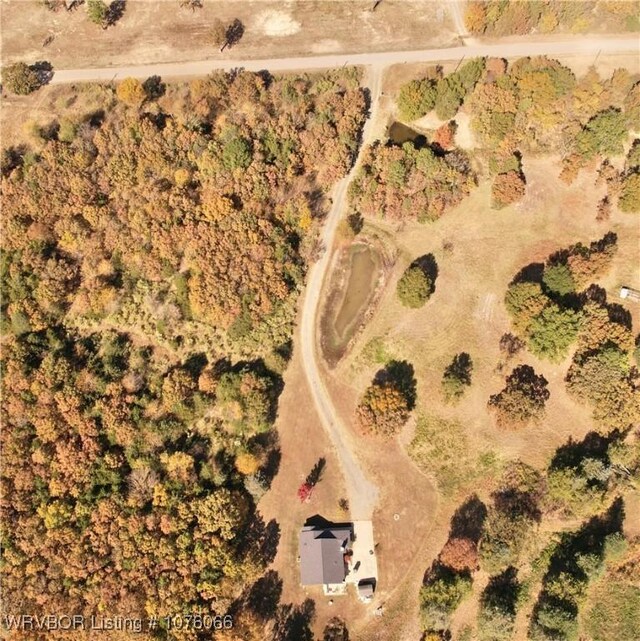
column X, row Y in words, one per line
column 346, row 307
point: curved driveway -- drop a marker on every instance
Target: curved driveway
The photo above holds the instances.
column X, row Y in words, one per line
column 362, row 493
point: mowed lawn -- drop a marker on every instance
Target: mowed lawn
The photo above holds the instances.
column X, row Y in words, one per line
column 479, row 250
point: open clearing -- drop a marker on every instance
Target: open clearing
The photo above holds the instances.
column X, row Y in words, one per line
column 478, row 251
column 161, row 31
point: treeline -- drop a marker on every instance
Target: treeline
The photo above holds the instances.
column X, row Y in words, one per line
column 212, row 205
column 555, row 309
column 499, row 18
column 532, row 105
column 499, row 537
column 410, row 182
column 152, row 253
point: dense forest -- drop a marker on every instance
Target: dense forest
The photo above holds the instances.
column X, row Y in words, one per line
column 152, row 255
column 499, row 18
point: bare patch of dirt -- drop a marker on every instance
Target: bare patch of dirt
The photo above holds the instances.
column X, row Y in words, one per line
column 276, row 23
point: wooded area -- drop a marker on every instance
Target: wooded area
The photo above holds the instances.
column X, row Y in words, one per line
column 153, row 252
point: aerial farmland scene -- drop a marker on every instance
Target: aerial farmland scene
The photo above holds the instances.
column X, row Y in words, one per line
column 320, row 320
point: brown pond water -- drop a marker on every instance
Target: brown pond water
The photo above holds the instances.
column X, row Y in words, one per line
column 340, row 326
column 400, row 133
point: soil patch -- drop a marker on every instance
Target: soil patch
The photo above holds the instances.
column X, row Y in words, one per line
column 277, row 23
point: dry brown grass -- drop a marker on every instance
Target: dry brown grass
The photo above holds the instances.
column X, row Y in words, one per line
column 159, row 31
column 466, row 313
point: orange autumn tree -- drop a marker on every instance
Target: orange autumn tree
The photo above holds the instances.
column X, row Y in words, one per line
column 388, row 401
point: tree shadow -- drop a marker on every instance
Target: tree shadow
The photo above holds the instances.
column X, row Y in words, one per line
column 502, row 591
column 234, row 34
column 460, row 368
column 115, row 12
column 401, row 375
column 270, row 443
column 531, row 273
column 429, row 267
column 264, row 595
column 44, row 70
column 572, row 453
column 468, row 520
column 260, row 540
column 154, row 87
column 315, row 475
column 12, row 158
column 335, row 630
column 293, row 622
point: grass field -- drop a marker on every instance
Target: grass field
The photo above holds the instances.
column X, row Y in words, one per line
column 161, row 31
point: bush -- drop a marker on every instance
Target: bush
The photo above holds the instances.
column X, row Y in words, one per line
column 440, row 596
column 605, row 379
column 615, row 611
column 507, row 188
column 383, row 409
column 629, row 199
column 414, row 287
column 498, row 603
column 553, row 331
column 603, row 134
column 131, row 92
column 20, row 78
column 98, row 12
column 558, row 279
column 459, row 554
column 457, row 377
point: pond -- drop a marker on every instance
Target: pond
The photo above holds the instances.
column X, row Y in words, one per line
column 400, row 133
column 347, row 306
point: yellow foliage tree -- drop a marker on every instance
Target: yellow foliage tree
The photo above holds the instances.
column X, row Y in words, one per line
column 131, row 92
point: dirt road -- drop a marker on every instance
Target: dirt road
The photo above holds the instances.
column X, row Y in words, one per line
column 362, row 492
column 506, row 50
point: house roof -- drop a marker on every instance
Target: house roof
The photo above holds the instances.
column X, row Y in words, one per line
column 322, row 554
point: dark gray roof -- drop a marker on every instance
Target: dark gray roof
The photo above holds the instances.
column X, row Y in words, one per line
column 322, row 554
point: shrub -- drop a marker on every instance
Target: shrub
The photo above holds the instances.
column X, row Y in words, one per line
column 131, row 92
column 503, row 539
column 498, row 603
column 605, row 379
column 615, row 610
column 440, row 596
column 383, row 409
column 98, row 12
column 553, row 331
column 507, row 188
column 20, row 78
column 603, row 134
column 457, row 377
column 558, row 279
column 629, row 199
column 414, row 288
column 459, row 554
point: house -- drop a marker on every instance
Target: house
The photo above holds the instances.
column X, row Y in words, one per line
column 324, row 551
